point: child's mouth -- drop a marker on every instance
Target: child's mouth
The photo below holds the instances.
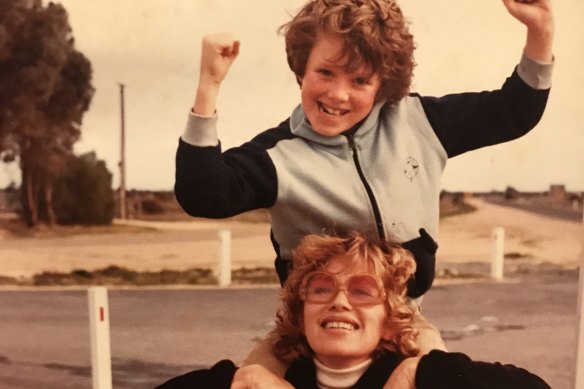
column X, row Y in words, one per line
column 331, row 111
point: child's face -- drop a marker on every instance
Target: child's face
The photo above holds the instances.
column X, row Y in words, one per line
column 334, row 99
column 341, row 334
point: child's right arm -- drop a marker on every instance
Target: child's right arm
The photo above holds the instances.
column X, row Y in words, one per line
column 209, row 182
column 218, row 53
column 538, row 17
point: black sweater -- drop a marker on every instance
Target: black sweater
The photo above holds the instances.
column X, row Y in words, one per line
column 437, row 370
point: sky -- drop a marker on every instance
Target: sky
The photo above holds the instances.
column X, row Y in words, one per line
column 153, row 48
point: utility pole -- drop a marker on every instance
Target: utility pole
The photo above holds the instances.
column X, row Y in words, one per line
column 122, row 194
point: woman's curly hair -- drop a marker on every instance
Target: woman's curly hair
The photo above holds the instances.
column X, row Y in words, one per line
column 389, row 261
column 375, row 33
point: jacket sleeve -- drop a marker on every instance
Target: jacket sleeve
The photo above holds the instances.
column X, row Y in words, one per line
column 215, row 184
column 219, row 376
column 423, row 250
column 440, row 369
column 468, row 121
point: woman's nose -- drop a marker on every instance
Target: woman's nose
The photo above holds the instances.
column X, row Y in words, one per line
column 341, row 300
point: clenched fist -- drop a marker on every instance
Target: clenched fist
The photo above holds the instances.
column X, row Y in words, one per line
column 218, row 53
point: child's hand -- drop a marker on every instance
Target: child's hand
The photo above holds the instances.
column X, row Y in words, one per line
column 535, row 14
column 404, row 376
column 218, row 53
column 538, row 18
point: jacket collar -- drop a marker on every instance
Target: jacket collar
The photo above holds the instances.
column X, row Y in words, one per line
column 300, row 127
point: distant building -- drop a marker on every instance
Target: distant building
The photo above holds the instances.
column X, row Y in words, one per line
column 558, row 193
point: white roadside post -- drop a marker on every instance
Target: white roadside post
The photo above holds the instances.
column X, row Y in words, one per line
column 497, row 254
column 224, row 276
column 579, row 373
column 99, row 331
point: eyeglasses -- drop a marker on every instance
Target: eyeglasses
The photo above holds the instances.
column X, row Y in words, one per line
column 320, row 287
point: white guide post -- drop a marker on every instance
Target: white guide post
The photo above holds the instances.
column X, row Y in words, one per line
column 497, row 253
column 224, row 276
column 579, row 373
column 99, row 331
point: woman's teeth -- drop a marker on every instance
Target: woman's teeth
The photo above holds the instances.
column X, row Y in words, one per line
column 339, row 324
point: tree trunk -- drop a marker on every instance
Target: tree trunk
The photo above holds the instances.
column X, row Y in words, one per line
column 29, row 203
column 48, row 192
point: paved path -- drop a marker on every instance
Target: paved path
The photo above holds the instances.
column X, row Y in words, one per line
column 44, row 339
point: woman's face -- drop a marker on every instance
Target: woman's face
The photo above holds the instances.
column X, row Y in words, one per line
column 334, row 99
column 340, row 334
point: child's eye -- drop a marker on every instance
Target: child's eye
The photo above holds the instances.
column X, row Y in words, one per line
column 325, row 72
column 361, row 81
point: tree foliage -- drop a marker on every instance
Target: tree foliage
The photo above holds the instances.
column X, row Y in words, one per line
column 83, row 193
column 45, row 88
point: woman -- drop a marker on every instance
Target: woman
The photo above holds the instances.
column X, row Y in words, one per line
column 344, row 323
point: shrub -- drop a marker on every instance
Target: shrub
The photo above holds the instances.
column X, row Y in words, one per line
column 83, row 193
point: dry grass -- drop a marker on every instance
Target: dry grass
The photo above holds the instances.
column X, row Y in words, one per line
column 14, row 228
column 116, row 276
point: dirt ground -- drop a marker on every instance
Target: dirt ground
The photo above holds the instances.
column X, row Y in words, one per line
column 184, row 245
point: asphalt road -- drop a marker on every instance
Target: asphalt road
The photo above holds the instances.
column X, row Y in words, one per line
column 574, row 215
column 156, row 334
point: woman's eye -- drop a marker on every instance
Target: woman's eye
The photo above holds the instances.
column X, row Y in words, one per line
column 362, row 292
column 321, row 290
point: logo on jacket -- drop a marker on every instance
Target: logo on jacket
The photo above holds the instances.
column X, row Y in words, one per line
column 412, row 168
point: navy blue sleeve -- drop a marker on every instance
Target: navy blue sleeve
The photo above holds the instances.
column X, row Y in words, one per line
column 468, row 121
column 219, row 376
column 440, row 369
column 215, row 184
column 423, row 250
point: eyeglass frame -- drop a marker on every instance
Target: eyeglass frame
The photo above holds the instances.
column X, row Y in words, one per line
column 341, row 288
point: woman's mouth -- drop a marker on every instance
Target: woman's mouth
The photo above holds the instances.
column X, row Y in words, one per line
column 339, row 325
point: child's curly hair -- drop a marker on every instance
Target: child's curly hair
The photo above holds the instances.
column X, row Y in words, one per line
column 375, row 33
column 389, row 261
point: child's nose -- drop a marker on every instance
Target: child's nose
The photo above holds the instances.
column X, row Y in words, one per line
column 339, row 91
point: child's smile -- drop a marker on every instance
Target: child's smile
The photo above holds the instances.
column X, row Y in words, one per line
column 331, row 111
column 335, row 99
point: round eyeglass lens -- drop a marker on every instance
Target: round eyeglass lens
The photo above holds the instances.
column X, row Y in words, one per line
column 320, row 287
column 363, row 289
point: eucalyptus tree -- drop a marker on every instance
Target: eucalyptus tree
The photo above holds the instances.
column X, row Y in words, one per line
column 45, row 88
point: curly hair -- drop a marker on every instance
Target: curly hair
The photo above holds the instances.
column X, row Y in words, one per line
column 375, row 33
column 389, row 261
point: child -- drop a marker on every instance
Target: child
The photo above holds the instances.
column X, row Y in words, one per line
column 358, row 153
column 344, row 322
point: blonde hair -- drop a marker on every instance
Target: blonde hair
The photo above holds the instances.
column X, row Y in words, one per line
column 390, row 262
column 375, row 33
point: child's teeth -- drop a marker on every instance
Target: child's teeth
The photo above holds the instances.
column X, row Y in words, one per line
column 331, row 111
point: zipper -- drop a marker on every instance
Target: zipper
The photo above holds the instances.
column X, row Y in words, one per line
column 376, row 212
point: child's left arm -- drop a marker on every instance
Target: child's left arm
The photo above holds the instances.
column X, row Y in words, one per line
column 537, row 16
